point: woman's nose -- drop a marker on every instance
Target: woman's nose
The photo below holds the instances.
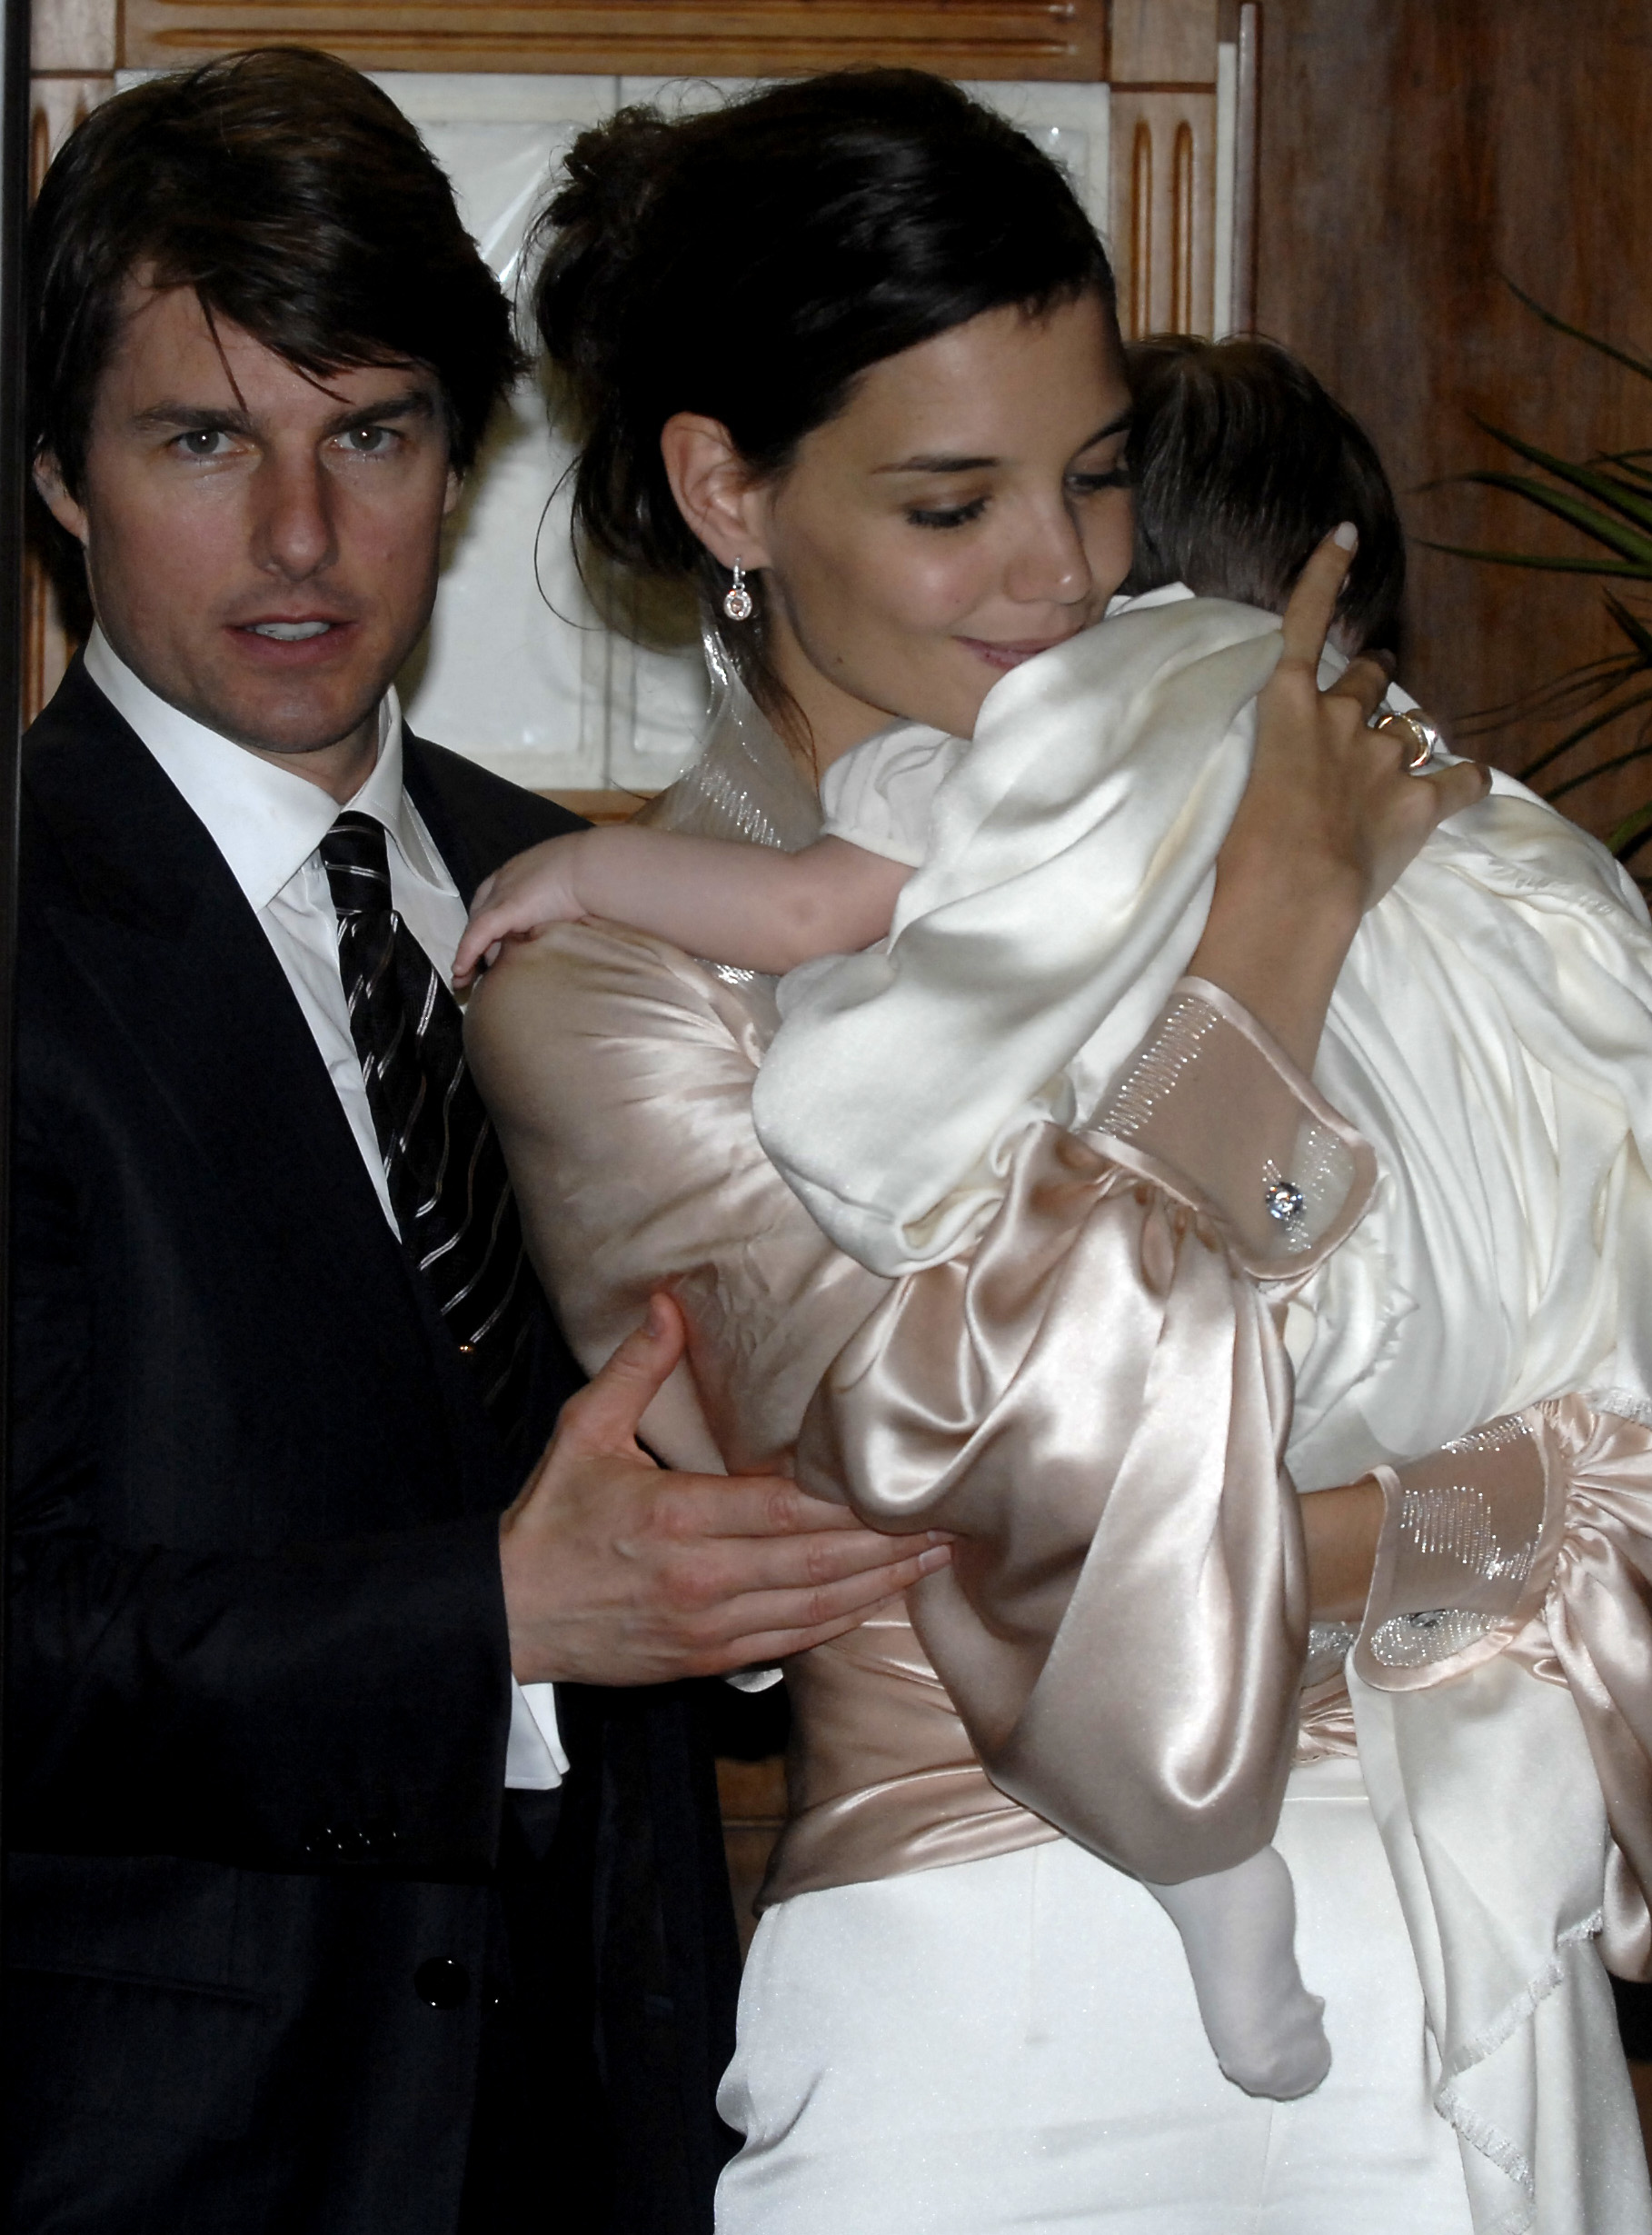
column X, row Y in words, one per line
column 1051, row 565
column 292, row 529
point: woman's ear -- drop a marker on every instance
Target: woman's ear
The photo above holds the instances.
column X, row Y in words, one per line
column 714, row 492
column 54, row 495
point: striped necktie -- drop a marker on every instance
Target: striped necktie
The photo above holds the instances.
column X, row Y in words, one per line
column 448, row 1185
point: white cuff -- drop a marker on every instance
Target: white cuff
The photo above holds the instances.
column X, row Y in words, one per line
column 753, row 1679
column 534, row 1759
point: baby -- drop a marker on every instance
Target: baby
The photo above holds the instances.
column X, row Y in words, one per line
column 892, row 1084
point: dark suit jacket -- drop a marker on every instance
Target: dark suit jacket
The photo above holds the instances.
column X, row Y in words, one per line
column 267, row 1908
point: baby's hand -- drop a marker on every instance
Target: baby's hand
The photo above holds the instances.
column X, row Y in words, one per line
column 530, row 890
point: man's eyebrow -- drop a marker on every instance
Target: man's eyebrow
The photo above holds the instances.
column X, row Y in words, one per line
column 192, row 418
column 411, row 404
column 941, row 462
column 208, row 419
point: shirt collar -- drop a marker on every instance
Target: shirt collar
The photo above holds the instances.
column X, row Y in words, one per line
column 265, row 821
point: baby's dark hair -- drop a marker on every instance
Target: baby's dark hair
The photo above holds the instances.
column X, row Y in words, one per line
column 751, row 262
column 1242, row 464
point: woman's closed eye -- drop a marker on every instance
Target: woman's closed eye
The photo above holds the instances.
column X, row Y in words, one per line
column 947, row 515
column 959, row 515
column 1092, row 485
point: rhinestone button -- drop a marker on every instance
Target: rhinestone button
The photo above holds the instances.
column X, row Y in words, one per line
column 1284, row 1201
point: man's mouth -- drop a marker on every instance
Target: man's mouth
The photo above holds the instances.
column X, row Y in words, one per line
column 289, row 632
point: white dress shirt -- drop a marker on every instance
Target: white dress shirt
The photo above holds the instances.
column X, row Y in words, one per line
column 267, row 823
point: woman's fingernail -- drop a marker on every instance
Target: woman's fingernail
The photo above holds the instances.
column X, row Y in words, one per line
column 936, row 1557
column 1346, row 537
column 656, row 1322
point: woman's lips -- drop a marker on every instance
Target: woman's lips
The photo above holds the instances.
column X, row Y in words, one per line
column 1010, row 655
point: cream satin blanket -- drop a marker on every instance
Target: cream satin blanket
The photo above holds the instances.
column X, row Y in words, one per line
column 1491, row 1036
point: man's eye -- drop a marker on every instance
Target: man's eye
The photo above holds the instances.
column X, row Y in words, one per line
column 367, row 442
column 948, row 516
column 205, row 442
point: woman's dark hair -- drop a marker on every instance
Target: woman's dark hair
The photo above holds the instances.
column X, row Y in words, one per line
column 751, row 262
column 1242, row 464
column 298, row 203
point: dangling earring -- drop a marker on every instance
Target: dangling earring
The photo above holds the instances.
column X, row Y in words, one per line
column 738, row 605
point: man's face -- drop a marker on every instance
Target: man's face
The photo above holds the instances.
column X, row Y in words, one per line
column 263, row 549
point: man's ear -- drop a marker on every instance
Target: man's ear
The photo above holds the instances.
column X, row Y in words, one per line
column 67, row 511
column 714, row 492
column 455, row 484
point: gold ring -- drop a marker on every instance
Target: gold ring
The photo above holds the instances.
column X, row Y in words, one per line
column 1427, row 744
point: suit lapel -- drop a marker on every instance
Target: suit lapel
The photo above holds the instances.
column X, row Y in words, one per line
column 145, row 906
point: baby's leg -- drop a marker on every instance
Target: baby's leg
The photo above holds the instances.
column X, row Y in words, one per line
column 1239, row 1930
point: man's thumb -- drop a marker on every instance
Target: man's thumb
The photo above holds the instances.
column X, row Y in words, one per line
column 608, row 1410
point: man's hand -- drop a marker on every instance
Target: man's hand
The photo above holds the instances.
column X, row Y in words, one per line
column 618, row 1572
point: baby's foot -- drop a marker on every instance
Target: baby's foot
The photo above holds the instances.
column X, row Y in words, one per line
column 1280, row 2053
column 1238, row 1928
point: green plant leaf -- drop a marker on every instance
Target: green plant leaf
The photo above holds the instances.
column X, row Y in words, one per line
column 1606, row 768
column 1619, row 494
column 1633, row 627
column 1629, row 543
column 1577, row 333
column 1631, row 827
column 1539, row 566
column 1602, row 721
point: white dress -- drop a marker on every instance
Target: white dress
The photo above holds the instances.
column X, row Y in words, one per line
column 1010, row 2041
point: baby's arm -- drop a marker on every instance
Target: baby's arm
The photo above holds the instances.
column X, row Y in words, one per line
column 751, row 905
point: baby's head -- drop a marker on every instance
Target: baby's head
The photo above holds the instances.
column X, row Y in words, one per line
column 1242, row 464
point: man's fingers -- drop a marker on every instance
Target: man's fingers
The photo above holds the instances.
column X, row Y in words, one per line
column 1313, row 601
column 774, row 1625
column 729, row 1571
column 604, row 1415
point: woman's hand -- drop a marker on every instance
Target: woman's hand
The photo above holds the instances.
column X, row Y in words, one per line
column 1330, row 817
column 1331, row 808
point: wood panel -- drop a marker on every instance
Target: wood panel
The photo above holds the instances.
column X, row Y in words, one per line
column 1164, row 208
column 991, row 39
column 1409, row 154
column 1163, row 41
column 64, row 31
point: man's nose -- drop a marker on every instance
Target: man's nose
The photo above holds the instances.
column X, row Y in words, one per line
column 293, row 531
column 1049, row 565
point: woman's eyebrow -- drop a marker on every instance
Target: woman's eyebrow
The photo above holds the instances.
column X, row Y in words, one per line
column 929, row 462
column 939, row 461
column 1115, row 425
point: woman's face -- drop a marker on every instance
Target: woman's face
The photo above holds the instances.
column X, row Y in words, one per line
column 967, row 510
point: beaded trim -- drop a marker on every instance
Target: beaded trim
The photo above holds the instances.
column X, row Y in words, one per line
column 1158, row 1070
column 720, row 790
column 1413, row 1641
column 1452, row 1520
column 1329, row 1644
column 1495, row 1436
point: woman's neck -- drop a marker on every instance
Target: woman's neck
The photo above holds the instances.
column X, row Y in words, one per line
column 822, row 720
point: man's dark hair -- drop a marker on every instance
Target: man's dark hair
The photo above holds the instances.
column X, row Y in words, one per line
column 297, row 202
column 1242, row 464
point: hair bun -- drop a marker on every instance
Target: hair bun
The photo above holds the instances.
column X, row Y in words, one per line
column 595, row 228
